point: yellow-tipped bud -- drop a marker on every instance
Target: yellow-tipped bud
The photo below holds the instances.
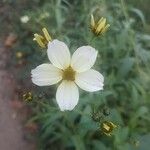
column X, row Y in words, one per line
column 46, row 34
column 42, row 40
column 105, row 29
column 107, row 127
column 100, row 21
column 99, row 27
column 39, row 39
column 92, row 21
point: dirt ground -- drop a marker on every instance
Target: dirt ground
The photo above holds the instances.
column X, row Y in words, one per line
column 12, row 133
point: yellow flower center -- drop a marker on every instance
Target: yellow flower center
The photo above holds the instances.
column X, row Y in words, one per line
column 69, row 74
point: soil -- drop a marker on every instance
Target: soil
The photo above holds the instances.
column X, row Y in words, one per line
column 13, row 134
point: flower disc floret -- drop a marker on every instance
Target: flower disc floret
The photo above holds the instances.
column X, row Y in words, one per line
column 69, row 74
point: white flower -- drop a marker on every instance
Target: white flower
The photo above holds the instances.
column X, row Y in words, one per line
column 24, row 19
column 72, row 71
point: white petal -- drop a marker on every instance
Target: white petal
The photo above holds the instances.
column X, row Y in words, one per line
column 67, row 95
column 90, row 80
column 46, row 74
column 58, row 53
column 83, row 58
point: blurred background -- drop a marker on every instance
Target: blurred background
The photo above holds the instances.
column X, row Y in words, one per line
column 33, row 121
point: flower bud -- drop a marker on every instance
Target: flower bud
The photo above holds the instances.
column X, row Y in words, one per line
column 99, row 27
column 43, row 40
column 107, row 127
column 27, row 96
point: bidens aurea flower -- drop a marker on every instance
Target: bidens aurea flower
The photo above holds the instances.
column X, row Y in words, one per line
column 72, row 71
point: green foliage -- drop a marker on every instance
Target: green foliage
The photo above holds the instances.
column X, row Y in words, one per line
column 124, row 60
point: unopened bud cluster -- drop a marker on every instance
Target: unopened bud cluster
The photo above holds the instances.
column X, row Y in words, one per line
column 42, row 40
column 106, row 126
column 99, row 27
column 27, row 96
